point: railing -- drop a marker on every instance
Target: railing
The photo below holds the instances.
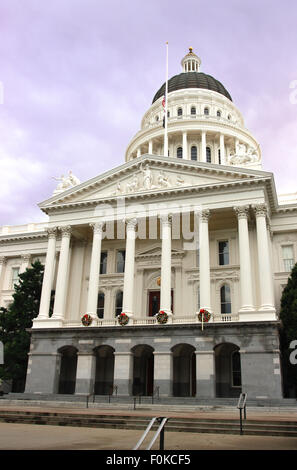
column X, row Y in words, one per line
column 88, row 398
column 241, row 405
column 160, row 431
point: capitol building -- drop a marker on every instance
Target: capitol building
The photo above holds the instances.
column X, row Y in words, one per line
column 163, row 275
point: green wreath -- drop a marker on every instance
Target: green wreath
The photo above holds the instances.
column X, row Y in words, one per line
column 205, row 315
column 86, row 320
column 162, row 317
column 123, row 319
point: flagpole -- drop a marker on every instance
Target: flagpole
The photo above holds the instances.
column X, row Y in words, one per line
column 166, row 106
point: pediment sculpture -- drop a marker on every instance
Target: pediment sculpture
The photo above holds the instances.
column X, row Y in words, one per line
column 243, row 154
column 66, row 182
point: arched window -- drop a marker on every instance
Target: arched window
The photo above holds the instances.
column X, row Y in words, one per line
column 118, row 303
column 194, row 152
column 180, row 112
column 206, row 111
column 236, row 369
column 193, row 111
column 219, row 156
column 229, row 117
column 208, row 155
column 157, row 118
column 219, row 113
column 100, row 305
column 179, row 152
column 225, row 299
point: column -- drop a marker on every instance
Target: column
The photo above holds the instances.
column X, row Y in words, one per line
column 163, row 372
column 25, row 260
column 95, row 270
column 150, row 147
column 62, row 277
column 246, row 288
column 123, row 372
column 222, row 149
column 85, row 373
column 2, row 265
column 204, row 264
column 185, row 146
column 203, row 146
column 138, row 152
column 48, row 274
column 165, row 299
column 128, row 293
column 265, row 273
column 205, row 374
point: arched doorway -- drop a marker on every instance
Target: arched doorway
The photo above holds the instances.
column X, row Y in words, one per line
column 228, row 370
column 104, row 370
column 143, row 370
column 68, row 367
column 184, row 370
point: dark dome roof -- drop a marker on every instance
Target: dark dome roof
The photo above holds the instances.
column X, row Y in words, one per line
column 192, row 80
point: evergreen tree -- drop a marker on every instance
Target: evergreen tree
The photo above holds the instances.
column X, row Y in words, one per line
column 288, row 333
column 14, row 322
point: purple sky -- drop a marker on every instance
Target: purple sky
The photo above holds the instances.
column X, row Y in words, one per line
column 78, row 75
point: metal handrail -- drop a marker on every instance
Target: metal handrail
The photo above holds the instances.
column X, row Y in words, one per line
column 241, row 405
column 89, row 396
column 145, row 433
column 159, row 430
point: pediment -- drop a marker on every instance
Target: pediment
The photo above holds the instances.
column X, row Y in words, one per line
column 155, row 252
column 150, row 174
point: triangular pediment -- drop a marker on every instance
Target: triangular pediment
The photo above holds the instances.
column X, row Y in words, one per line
column 155, row 252
column 150, row 174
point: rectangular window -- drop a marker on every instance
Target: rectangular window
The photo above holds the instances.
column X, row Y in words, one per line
column 15, row 276
column 223, row 253
column 103, row 262
column 121, row 261
column 288, row 257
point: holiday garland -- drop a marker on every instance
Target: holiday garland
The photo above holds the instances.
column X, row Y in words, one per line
column 162, row 317
column 123, row 319
column 86, row 320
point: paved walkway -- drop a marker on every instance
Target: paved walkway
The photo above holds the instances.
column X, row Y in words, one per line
column 36, row 437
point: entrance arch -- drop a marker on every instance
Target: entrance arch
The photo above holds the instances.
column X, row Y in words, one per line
column 228, row 370
column 184, row 370
column 143, row 370
column 68, row 367
column 104, row 370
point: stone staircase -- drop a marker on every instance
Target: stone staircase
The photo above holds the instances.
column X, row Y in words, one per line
column 260, row 427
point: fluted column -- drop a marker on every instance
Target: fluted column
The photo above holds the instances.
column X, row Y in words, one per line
column 185, row 145
column 95, row 269
column 265, row 273
column 62, row 277
column 2, row 265
column 204, row 263
column 150, row 147
column 48, row 274
column 246, row 289
column 222, row 148
column 165, row 299
column 128, row 294
column 203, row 146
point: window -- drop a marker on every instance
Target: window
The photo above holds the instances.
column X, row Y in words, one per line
column 229, row 117
column 288, row 257
column 219, row 113
column 15, row 276
column 208, row 155
column 236, row 369
column 179, row 152
column 100, row 305
column 219, row 156
column 193, row 111
column 225, row 299
column 157, row 118
column 168, row 113
column 103, row 263
column 118, row 303
column 223, row 253
column 121, row 261
column 206, row 111
column 179, row 112
column 194, row 152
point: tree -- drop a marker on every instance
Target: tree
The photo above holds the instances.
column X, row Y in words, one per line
column 14, row 322
column 288, row 333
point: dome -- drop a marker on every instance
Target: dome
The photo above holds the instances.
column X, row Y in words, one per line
column 192, row 80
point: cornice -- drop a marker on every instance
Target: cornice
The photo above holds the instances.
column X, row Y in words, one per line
column 23, row 236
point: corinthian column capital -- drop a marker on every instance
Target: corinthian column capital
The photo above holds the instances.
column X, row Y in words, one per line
column 131, row 223
column 204, row 215
column 97, row 227
column 51, row 232
column 66, row 231
column 166, row 219
column 260, row 209
column 241, row 211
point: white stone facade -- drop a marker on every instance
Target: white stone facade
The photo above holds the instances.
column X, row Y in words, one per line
column 196, row 234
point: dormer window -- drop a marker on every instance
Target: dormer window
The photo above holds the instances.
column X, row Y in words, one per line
column 180, row 112
column 206, row 111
